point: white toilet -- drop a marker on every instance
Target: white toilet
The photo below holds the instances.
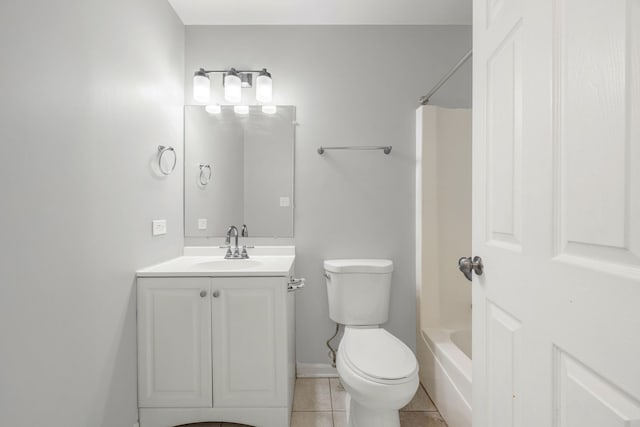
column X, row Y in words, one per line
column 378, row 371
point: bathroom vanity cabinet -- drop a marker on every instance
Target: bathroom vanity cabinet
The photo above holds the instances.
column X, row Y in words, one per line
column 215, row 349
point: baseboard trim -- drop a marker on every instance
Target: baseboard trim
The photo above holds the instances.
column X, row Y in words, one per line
column 315, row 370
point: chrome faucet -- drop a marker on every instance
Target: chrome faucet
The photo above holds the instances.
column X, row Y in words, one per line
column 233, row 232
column 236, row 251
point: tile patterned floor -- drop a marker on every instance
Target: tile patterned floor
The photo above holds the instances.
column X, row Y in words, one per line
column 319, row 402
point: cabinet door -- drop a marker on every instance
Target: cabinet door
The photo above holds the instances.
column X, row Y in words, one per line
column 174, row 342
column 249, row 342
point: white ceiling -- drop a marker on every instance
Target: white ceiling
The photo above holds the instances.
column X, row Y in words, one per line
column 323, row 12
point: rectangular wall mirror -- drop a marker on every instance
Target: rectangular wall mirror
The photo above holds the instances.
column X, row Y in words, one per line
column 238, row 169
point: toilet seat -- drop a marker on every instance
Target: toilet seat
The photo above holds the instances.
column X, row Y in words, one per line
column 378, row 356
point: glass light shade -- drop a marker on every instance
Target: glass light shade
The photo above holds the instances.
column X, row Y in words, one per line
column 213, row 109
column 264, row 87
column 232, row 88
column 269, row 109
column 241, row 109
column 201, row 87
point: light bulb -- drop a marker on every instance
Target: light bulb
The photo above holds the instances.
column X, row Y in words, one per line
column 264, row 86
column 232, row 86
column 241, row 109
column 269, row 109
column 213, row 109
column 201, row 86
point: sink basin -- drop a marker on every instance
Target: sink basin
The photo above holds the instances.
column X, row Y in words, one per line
column 209, row 262
column 228, row 264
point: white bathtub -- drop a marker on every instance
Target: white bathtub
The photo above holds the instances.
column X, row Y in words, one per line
column 445, row 370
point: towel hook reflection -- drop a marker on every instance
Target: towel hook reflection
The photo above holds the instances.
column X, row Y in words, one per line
column 205, row 174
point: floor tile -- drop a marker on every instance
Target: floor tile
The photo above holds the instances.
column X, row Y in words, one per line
column 337, row 394
column 311, row 419
column 420, row 402
column 421, row 419
column 339, row 419
column 312, row 394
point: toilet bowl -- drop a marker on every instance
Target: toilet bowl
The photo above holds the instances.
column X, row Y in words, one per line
column 380, row 375
column 378, row 371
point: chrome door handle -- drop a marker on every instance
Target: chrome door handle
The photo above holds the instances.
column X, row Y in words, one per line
column 469, row 266
column 203, row 294
column 216, row 294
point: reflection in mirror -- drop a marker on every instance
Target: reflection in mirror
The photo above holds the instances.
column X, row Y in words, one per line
column 238, row 170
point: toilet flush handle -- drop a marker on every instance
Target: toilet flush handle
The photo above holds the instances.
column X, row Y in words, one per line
column 295, row 284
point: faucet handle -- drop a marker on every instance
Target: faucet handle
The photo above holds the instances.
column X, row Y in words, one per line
column 244, row 253
column 245, row 230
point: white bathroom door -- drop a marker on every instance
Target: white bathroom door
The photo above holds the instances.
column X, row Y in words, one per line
column 556, row 213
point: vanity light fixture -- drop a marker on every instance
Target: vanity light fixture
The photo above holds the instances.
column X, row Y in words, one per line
column 269, row 109
column 246, row 80
column 232, row 86
column 264, row 86
column 241, row 109
column 201, row 86
column 234, row 81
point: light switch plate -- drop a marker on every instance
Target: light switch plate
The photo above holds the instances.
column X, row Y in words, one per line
column 202, row 223
column 284, row 202
column 159, row 227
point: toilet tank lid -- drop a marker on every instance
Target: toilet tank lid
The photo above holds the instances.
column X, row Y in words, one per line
column 359, row 265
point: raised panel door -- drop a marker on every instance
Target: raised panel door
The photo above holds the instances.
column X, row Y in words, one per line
column 174, row 342
column 249, row 342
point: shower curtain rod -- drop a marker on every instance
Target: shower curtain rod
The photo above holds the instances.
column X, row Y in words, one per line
column 425, row 99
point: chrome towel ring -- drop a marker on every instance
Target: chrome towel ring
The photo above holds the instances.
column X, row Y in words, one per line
column 205, row 177
column 162, row 150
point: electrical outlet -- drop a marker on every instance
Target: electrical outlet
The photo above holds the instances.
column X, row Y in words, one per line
column 202, row 223
column 159, row 227
column 284, row 202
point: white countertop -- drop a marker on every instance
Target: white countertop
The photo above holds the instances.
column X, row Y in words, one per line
column 265, row 261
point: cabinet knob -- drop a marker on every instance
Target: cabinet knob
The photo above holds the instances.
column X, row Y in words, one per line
column 216, row 294
column 203, row 294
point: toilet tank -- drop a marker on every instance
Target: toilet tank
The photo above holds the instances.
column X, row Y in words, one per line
column 358, row 290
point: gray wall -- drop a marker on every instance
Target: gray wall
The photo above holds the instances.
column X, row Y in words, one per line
column 350, row 85
column 89, row 89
